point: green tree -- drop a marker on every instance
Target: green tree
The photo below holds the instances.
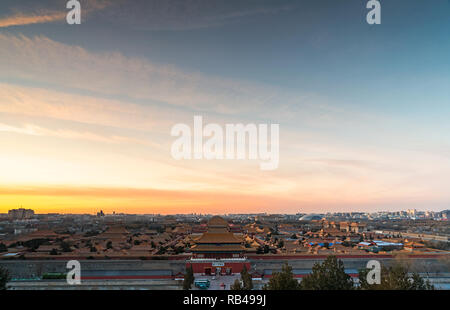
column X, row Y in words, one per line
column 4, row 278
column 396, row 277
column 236, row 286
column 188, row 278
column 283, row 280
column 246, row 279
column 65, row 247
column 329, row 275
column 162, row 250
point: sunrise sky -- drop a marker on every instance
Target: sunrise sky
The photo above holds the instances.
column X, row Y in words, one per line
column 86, row 110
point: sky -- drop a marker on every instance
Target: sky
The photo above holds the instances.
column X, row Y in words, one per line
column 86, row 110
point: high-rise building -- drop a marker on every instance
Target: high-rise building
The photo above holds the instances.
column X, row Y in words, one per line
column 20, row 214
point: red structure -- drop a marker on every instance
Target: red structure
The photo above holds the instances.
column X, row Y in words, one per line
column 218, row 251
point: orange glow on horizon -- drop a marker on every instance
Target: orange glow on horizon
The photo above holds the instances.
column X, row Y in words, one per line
column 78, row 200
column 90, row 200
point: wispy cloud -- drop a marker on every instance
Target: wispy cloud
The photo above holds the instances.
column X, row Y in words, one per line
column 38, row 102
column 21, row 19
column 45, row 15
column 146, row 14
column 180, row 15
column 44, row 60
column 33, row 130
column 113, row 75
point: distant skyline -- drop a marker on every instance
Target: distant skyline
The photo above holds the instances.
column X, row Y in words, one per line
column 226, row 214
column 86, row 110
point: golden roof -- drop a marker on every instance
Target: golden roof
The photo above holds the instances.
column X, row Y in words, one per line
column 222, row 237
column 217, row 248
column 217, row 221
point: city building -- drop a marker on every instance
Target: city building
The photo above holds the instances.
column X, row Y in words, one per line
column 20, row 214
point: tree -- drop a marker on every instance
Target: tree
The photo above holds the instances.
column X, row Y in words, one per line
column 283, row 280
column 54, row 252
column 396, row 277
column 4, row 278
column 263, row 249
column 188, row 278
column 236, row 286
column 246, row 279
column 162, row 250
column 65, row 247
column 178, row 249
column 330, row 275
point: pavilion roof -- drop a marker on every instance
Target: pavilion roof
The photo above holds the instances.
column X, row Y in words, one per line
column 217, row 248
column 217, row 221
column 222, row 237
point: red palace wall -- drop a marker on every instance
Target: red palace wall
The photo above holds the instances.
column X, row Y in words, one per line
column 236, row 267
column 216, row 255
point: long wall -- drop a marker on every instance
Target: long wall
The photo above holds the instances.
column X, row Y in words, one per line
column 29, row 269
column 24, row 271
column 419, row 264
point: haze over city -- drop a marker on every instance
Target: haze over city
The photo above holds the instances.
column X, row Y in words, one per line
column 86, row 110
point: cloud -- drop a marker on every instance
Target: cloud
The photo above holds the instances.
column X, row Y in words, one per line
column 21, row 19
column 43, row 60
column 172, row 15
column 43, row 16
column 33, row 130
column 179, row 15
column 346, row 163
column 38, row 102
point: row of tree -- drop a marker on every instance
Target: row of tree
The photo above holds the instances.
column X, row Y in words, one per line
column 330, row 275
